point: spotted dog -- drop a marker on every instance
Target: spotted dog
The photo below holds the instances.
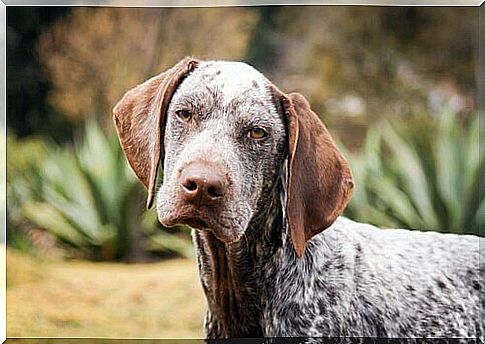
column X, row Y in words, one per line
column 258, row 177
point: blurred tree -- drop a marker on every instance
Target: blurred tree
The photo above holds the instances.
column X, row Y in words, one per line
column 353, row 63
column 356, row 64
column 28, row 113
column 264, row 47
column 94, row 55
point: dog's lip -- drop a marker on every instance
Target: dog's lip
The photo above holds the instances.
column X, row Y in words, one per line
column 194, row 220
column 200, row 219
column 201, row 223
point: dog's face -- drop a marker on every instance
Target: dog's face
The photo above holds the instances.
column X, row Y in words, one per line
column 224, row 146
column 224, row 135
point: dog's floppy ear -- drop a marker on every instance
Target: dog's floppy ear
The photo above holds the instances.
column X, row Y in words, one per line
column 140, row 118
column 319, row 182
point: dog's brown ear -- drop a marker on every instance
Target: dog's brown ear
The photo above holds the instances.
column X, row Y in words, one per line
column 319, row 183
column 140, row 118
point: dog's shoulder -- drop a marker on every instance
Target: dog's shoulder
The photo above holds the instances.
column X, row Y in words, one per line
column 422, row 257
column 434, row 243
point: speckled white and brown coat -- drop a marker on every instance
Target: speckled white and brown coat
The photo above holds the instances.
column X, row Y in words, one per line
column 275, row 258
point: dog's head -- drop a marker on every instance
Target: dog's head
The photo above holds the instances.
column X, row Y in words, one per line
column 225, row 135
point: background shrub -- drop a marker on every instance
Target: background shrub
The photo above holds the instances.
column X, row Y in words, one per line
column 421, row 175
column 86, row 196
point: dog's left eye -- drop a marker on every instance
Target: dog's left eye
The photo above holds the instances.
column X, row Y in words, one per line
column 257, row 134
column 184, row 115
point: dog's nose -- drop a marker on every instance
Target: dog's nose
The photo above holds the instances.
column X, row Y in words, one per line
column 202, row 184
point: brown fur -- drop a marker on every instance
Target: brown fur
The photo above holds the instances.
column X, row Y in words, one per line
column 320, row 181
column 139, row 119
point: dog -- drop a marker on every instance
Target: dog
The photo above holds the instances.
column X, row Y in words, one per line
column 260, row 180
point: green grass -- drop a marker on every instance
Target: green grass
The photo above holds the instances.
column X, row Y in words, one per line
column 53, row 298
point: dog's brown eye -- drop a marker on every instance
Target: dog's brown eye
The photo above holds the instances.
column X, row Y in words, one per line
column 257, row 133
column 183, row 115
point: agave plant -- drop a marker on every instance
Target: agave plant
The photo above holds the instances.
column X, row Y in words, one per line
column 22, row 184
column 86, row 196
column 420, row 177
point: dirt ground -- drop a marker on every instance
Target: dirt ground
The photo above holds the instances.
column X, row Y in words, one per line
column 54, row 298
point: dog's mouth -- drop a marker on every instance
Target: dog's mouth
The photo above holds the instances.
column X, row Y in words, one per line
column 198, row 218
column 200, row 221
column 197, row 221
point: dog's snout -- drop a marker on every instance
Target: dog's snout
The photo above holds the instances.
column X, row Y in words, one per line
column 202, row 184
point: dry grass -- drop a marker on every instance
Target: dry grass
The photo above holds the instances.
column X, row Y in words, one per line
column 85, row 299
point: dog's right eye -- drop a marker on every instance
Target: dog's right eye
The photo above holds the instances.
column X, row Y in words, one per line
column 183, row 115
column 257, row 134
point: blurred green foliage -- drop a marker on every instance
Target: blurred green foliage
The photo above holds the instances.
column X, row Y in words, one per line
column 22, row 185
column 85, row 195
column 421, row 175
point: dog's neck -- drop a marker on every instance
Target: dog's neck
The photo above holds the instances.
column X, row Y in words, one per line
column 231, row 275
